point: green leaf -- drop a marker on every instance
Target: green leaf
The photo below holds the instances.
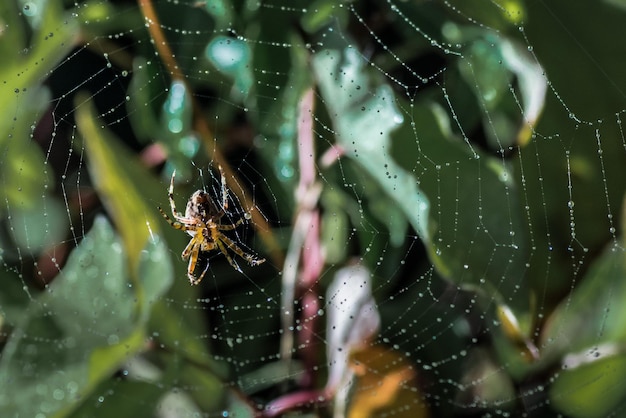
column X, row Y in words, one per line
column 486, row 245
column 592, row 390
column 482, row 69
column 363, row 118
column 13, row 39
column 95, row 18
column 51, row 41
column 111, row 167
column 176, row 128
column 321, row 13
column 121, row 398
column 478, row 238
column 485, row 383
column 578, row 138
column 143, row 91
column 493, row 67
column 584, row 320
column 232, row 57
column 209, row 390
column 176, row 113
column 278, row 116
column 85, row 324
column 498, row 15
column 271, row 60
column 23, row 175
column 35, row 228
column 222, row 11
column 156, row 273
column 14, row 297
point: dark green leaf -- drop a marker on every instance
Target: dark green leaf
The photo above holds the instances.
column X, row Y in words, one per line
column 594, row 313
column 479, row 239
column 121, row 398
column 87, row 311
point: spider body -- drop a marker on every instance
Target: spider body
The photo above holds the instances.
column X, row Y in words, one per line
column 202, row 221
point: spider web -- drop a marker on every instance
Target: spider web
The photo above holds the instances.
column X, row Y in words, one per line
column 436, row 187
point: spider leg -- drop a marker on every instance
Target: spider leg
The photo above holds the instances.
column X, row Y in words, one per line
column 203, row 273
column 230, row 227
column 187, row 251
column 224, row 190
column 252, row 260
column 176, row 224
column 232, row 262
column 170, row 195
column 193, row 260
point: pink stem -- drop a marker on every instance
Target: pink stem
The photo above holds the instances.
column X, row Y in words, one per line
column 294, row 400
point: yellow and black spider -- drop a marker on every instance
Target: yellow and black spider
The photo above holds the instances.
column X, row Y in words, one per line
column 202, row 222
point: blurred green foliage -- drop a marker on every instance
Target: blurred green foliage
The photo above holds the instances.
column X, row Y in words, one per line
column 478, row 175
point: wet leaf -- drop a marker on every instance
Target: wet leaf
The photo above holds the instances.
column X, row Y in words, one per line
column 23, row 174
column 485, row 384
column 586, row 333
column 175, row 131
column 499, row 14
column 121, row 398
column 176, row 112
column 532, row 85
column 233, row 58
column 222, row 11
column 14, row 297
column 113, row 170
column 22, row 171
column 84, row 324
column 156, row 273
column 493, row 67
column 142, row 93
column 321, row 13
column 13, row 39
column 578, row 138
column 584, row 320
column 475, row 241
column 592, row 390
column 35, row 228
column 209, row 389
column 278, row 113
column 363, row 120
column 483, row 71
column 271, row 61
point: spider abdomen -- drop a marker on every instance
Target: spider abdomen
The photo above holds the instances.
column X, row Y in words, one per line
column 201, row 207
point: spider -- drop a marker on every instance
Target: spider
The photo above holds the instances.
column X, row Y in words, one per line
column 202, row 222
